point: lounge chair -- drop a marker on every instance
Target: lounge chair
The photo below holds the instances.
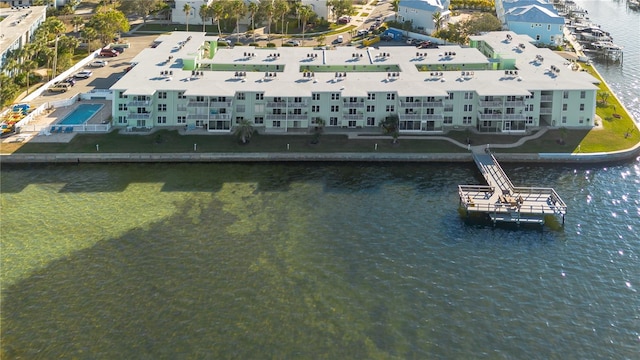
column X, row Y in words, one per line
column 60, row 128
column 68, row 129
column 53, row 129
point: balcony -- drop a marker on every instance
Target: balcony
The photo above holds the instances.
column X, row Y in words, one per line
column 139, row 103
column 276, row 104
column 220, row 117
column 518, row 103
column 198, row 116
column 353, row 116
column 546, row 98
column 297, row 117
column 546, row 111
column 491, row 103
column 413, row 117
column 195, row 103
column 139, row 116
column 432, row 104
column 354, row 105
column 432, row 117
column 297, row 105
column 220, row 104
column 270, row 117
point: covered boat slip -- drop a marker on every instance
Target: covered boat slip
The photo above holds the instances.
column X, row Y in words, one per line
column 503, row 202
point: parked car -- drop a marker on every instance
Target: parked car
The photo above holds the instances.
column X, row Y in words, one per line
column 339, row 40
column 344, row 20
column 71, row 81
column 60, row 87
column 373, row 27
column 84, row 74
column 108, row 53
column 293, row 43
column 99, row 63
column 363, row 32
column 118, row 49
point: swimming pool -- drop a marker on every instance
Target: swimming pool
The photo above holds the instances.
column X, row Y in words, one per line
column 81, row 114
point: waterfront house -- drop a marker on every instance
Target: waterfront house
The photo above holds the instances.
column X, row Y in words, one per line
column 420, row 13
column 503, row 83
column 535, row 18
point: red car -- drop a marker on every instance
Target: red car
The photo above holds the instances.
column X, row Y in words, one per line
column 108, row 53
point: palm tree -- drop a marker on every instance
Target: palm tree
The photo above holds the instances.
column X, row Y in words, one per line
column 318, row 130
column 204, row 15
column 267, row 8
column 321, row 38
column 239, row 9
column 282, row 8
column 395, row 6
column 218, row 11
column 89, row 34
column 437, row 20
column 305, row 13
column 244, row 130
column 77, row 21
column 28, row 66
column 390, row 127
column 253, row 10
column 187, row 11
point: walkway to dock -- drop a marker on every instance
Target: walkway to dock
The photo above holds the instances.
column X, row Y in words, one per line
column 504, row 202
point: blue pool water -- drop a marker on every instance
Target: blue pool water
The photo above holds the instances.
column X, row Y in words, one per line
column 81, row 114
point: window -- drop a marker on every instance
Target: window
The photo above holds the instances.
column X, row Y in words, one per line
column 182, row 119
column 277, row 111
column 333, row 121
column 122, row 119
column 241, row 108
column 222, row 99
column 565, row 94
column 238, row 119
column 315, row 108
column 549, row 27
column 162, row 119
column 371, row 108
column 537, row 37
column 122, row 107
column 335, row 108
column 259, row 96
column 408, row 99
column 466, row 120
column 581, row 107
column 200, row 98
column 121, row 95
column 468, row 107
column 278, row 99
column 352, row 123
column 353, row 99
column 371, row 96
column 258, row 120
column 371, row 121
column 162, row 95
column 447, row 120
column 391, row 96
column 276, row 123
column 162, row 107
column 564, row 107
column 315, row 96
column 297, row 111
column 583, row 94
column 450, row 96
column 141, row 123
column 529, row 120
column 468, row 95
column 529, row 107
column 181, row 95
column 335, row 96
column 581, row 119
column 258, row 108
column 352, row 111
column 390, row 108
column 431, row 99
column 564, row 119
column 429, row 111
column 297, row 99
column 240, row 96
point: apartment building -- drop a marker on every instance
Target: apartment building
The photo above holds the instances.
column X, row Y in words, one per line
column 501, row 84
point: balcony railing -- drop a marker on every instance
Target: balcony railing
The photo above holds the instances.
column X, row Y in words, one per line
column 546, row 111
column 403, row 117
column 519, row 103
column 276, row 104
column 139, row 103
column 546, row 98
column 297, row 117
column 297, row 105
column 270, row 117
column 491, row 103
column 198, row 116
column 220, row 117
column 194, row 103
column 220, row 104
column 139, row 116
column 353, row 116
column 353, row 105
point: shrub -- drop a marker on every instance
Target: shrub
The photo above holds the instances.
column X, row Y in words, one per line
column 271, row 45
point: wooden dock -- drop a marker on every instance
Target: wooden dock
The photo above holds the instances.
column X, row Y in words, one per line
column 503, row 202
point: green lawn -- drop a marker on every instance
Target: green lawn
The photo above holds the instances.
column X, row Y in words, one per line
column 169, row 141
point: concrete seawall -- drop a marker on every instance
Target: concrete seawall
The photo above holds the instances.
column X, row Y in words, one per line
column 310, row 157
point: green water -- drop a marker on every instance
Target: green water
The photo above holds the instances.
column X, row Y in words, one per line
column 198, row 261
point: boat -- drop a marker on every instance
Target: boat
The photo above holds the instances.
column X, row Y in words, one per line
column 606, row 48
column 592, row 33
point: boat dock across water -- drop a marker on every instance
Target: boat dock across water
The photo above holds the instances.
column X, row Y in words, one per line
column 501, row 201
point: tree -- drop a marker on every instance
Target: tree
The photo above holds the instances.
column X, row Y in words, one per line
column 108, row 23
column 204, row 15
column 341, row 7
column 437, row 20
column 143, row 8
column 281, row 11
column 321, row 39
column 390, row 127
column 603, row 97
column 89, row 34
column 305, row 14
column 218, row 11
column 77, row 21
column 244, row 130
column 395, row 6
column 318, row 130
column 28, row 66
column 238, row 9
column 187, row 12
column 268, row 10
column 253, row 9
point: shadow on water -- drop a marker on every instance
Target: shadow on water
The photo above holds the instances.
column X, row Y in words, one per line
column 177, row 290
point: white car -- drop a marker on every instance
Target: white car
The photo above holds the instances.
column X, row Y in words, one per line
column 99, row 63
column 85, row 74
column 293, row 43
